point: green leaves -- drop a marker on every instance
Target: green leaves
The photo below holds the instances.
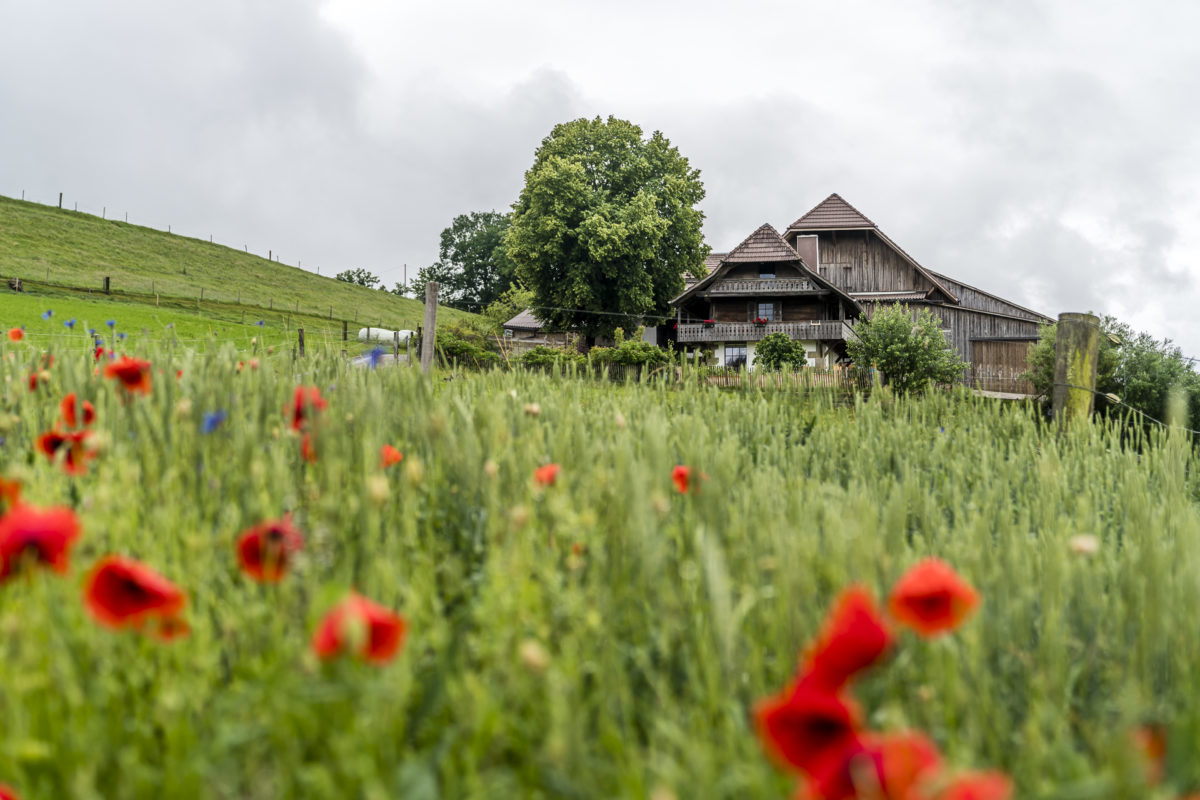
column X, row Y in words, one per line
column 908, row 348
column 606, row 223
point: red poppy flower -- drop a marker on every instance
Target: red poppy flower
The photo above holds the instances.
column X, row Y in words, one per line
column 932, row 599
column 306, row 401
column 10, row 492
column 16, row 334
column 7, row 792
column 44, row 536
column 682, row 477
column 546, row 475
column 966, row 786
column 178, row 374
column 33, row 381
column 133, row 373
column 264, row 550
column 388, row 456
column 854, row 637
column 1150, row 741
column 72, row 444
column 98, row 353
column 357, row 626
column 307, row 451
column 880, row 766
column 123, row 593
column 807, row 727
column 70, row 409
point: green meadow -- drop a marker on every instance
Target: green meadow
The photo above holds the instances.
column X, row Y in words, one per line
column 604, row 636
column 58, row 252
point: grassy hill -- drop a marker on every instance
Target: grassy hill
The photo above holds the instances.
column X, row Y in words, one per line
column 150, row 267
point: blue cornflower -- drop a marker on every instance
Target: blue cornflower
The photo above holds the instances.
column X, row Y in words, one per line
column 213, row 419
column 48, row 314
column 375, row 356
column 91, row 331
column 259, row 323
column 112, row 323
column 70, row 323
column 122, row 335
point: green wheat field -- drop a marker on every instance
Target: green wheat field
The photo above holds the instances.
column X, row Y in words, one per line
column 601, row 636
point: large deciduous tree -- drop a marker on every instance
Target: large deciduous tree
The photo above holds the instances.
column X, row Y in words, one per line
column 607, row 222
column 473, row 268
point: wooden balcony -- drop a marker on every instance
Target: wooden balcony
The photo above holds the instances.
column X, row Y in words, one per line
column 765, row 286
column 823, row 331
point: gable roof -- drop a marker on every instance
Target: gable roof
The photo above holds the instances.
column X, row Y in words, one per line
column 835, row 214
column 832, row 213
column 765, row 245
column 712, row 262
column 525, row 321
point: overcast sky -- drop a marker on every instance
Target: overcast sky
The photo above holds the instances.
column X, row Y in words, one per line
column 1048, row 152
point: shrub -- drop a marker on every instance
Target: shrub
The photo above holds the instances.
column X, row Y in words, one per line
column 910, row 353
column 466, row 345
column 543, row 357
column 777, row 350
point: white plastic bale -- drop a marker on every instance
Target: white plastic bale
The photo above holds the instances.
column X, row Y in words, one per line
column 383, row 335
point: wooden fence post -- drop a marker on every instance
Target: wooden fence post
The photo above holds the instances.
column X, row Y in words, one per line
column 107, row 284
column 1076, row 349
column 345, row 332
column 395, row 347
column 60, row 199
column 300, row 340
column 427, row 343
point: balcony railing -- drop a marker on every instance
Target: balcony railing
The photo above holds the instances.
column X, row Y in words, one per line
column 763, row 286
column 822, row 331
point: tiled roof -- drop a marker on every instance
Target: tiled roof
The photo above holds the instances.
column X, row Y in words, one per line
column 525, row 321
column 832, row 213
column 712, row 262
column 765, row 244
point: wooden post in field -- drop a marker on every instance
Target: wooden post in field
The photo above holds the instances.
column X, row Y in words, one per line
column 1076, row 349
column 427, row 342
column 60, row 199
column 107, row 284
column 345, row 332
column 300, row 340
column 395, row 347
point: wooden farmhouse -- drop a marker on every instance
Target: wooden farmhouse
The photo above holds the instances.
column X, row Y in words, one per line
column 829, row 267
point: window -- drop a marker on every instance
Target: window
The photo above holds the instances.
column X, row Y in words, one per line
column 735, row 355
column 766, row 273
column 766, row 311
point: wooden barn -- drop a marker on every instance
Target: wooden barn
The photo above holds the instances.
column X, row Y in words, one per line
column 840, row 248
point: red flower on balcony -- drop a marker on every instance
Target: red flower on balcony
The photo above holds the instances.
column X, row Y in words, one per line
column 760, row 321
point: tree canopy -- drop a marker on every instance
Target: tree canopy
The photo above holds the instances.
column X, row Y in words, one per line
column 359, row 277
column 473, row 268
column 911, row 353
column 607, row 222
column 1139, row 369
